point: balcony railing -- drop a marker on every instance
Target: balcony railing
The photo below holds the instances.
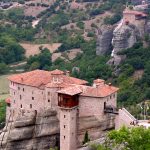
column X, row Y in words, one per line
column 110, row 109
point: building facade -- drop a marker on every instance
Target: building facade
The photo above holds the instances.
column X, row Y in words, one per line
column 72, row 98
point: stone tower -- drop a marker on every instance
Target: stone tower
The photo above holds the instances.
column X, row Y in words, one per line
column 68, row 105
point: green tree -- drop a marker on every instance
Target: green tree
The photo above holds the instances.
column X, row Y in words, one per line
column 2, row 112
column 3, row 68
column 86, row 138
column 137, row 138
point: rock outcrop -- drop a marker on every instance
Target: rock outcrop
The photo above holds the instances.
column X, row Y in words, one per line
column 123, row 37
column 31, row 131
column 95, row 127
column 104, row 38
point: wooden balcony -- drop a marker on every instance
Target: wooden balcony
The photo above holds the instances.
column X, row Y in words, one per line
column 67, row 101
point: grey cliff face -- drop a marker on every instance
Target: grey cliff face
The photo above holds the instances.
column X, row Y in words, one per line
column 104, row 38
column 124, row 37
column 31, row 131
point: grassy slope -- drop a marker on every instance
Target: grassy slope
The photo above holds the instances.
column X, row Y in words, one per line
column 3, row 86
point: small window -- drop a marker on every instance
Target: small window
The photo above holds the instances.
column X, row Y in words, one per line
column 20, row 97
column 110, row 96
column 114, row 95
column 32, row 92
column 64, row 137
column 23, row 89
column 64, row 116
column 21, row 106
column 32, row 98
column 64, row 126
column 30, row 105
column 48, row 100
column 48, row 93
column 18, row 88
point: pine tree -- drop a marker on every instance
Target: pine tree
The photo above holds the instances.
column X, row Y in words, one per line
column 86, row 138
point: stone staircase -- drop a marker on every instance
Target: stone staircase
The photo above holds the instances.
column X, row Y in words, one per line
column 124, row 118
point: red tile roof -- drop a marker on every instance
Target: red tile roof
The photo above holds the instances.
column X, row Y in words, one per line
column 7, row 100
column 99, row 81
column 57, row 72
column 103, row 91
column 40, row 78
column 74, row 90
column 89, row 91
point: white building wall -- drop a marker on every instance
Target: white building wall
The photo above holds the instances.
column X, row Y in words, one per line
column 89, row 106
column 26, row 98
column 124, row 118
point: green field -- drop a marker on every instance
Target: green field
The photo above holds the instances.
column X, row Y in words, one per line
column 4, row 90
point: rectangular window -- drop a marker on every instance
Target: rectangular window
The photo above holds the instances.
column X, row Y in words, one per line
column 48, row 100
column 21, row 106
column 114, row 95
column 20, row 97
column 18, row 88
column 32, row 98
column 64, row 126
column 23, row 89
column 64, row 116
column 64, row 137
column 30, row 105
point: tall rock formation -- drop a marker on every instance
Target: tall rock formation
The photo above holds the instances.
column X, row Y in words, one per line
column 123, row 37
column 104, row 38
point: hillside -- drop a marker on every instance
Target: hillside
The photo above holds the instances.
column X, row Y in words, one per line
column 33, row 27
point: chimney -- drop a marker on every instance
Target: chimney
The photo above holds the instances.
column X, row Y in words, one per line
column 98, row 83
column 67, row 73
column 109, row 84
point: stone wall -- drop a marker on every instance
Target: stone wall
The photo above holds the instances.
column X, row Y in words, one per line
column 124, row 119
column 93, row 106
column 25, row 98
